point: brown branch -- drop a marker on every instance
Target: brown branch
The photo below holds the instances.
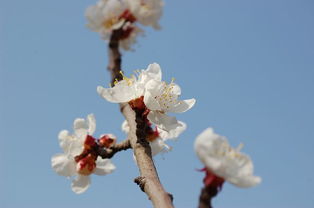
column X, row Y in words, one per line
column 207, row 193
column 110, row 152
column 114, row 65
column 148, row 180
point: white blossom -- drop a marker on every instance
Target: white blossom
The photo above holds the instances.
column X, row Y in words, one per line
column 109, row 15
column 73, row 144
column 104, row 16
column 158, row 145
column 130, row 88
column 161, row 98
column 147, row 12
column 224, row 161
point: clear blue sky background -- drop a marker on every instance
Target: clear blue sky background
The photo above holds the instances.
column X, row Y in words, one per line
column 249, row 64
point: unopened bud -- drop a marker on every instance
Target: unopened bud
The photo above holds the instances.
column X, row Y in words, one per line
column 107, row 140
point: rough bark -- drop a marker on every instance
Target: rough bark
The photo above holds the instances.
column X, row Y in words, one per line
column 148, row 179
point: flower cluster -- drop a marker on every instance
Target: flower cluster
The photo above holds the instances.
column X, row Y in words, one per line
column 222, row 162
column 80, row 157
column 122, row 15
column 157, row 97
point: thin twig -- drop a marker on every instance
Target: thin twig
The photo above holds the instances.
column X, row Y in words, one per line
column 110, row 152
column 149, row 180
column 207, row 193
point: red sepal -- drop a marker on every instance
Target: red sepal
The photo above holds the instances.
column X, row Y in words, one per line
column 212, row 180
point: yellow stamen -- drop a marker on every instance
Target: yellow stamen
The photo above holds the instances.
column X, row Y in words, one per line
column 129, row 81
column 240, row 146
column 109, row 23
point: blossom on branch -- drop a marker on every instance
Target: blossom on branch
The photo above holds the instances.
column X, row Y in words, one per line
column 157, row 145
column 130, row 88
column 161, row 98
column 156, row 96
column 121, row 16
column 157, row 137
column 147, row 12
column 223, row 162
column 80, row 158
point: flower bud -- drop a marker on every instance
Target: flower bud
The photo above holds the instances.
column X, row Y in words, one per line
column 108, row 140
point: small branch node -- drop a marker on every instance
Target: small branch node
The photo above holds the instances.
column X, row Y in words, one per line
column 140, row 181
column 170, row 196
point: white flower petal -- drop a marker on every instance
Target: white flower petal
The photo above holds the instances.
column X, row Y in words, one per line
column 120, row 93
column 158, row 145
column 174, row 133
column 163, row 121
column 182, row 106
column 245, row 181
column 176, row 90
column 118, row 25
column 63, row 165
column 147, row 12
column 65, row 140
column 150, row 101
column 154, row 86
column 80, row 127
column 92, row 16
column 91, row 124
column 80, row 184
column 104, row 166
column 153, row 71
column 76, row 147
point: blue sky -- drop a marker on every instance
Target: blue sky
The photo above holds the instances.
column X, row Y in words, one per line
column 248, row 63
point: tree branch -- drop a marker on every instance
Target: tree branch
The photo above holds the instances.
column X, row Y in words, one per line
column 148, row 180
column 114, row 65
column 207, row 193
column 110, row 152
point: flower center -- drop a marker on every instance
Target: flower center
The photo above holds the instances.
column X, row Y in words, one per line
column 85, row 162
column 167, row 98
column 128, row 16
column 129, row 81
column 87, row 165
column 145, row 5
column 110, row 22
column 227, row 151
